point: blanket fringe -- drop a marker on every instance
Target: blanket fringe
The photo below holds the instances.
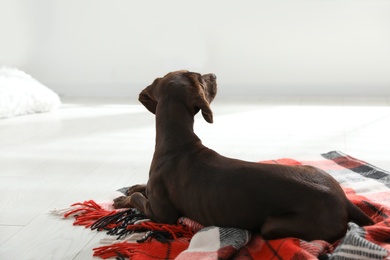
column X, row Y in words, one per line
column 125, row 223
column 117, row 221
column 87, row 213
column 133, row 238
column 135, row 233
column 144, row 251
column 60, row 212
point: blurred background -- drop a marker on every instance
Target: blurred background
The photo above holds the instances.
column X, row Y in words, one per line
column 102, row 48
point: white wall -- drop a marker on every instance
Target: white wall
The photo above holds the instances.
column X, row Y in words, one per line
column 259, row 47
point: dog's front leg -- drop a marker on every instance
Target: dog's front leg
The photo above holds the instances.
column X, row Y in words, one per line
column 135, row 200
column 125, row 201
column 137, row 188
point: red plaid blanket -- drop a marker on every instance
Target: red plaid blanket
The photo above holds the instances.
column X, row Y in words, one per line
column 136, row 237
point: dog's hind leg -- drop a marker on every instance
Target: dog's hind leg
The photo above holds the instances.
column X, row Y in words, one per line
column 286, row 225
column 297, row 225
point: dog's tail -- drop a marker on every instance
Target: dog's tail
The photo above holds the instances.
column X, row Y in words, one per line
column 357, row 216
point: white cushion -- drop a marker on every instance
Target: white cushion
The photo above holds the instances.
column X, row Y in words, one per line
column 21, row 94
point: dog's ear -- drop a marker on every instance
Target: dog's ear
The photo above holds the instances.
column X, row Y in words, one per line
column 147, row 98
column 204, row 105
column 201, row 101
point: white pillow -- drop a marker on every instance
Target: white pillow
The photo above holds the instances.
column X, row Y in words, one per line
column 21, row 94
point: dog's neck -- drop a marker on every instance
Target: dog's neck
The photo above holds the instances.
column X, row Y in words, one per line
column 174, row 127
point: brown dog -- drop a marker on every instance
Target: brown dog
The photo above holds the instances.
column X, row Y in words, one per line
column 188, row 179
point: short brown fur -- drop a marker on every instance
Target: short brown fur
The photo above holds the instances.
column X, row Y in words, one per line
column 188, row 179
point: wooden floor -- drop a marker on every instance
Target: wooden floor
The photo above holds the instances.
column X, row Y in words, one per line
column 90, row 148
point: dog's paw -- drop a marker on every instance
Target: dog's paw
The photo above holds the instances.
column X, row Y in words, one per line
column 121, row 202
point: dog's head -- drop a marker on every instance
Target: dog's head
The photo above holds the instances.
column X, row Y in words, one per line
column 196, row 90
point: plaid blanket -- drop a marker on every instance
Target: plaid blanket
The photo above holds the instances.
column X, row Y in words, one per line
column 134, row 236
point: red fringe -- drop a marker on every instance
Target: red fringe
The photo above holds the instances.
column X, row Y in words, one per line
column 143, row 251
column 88, row 212
column 175, row 230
